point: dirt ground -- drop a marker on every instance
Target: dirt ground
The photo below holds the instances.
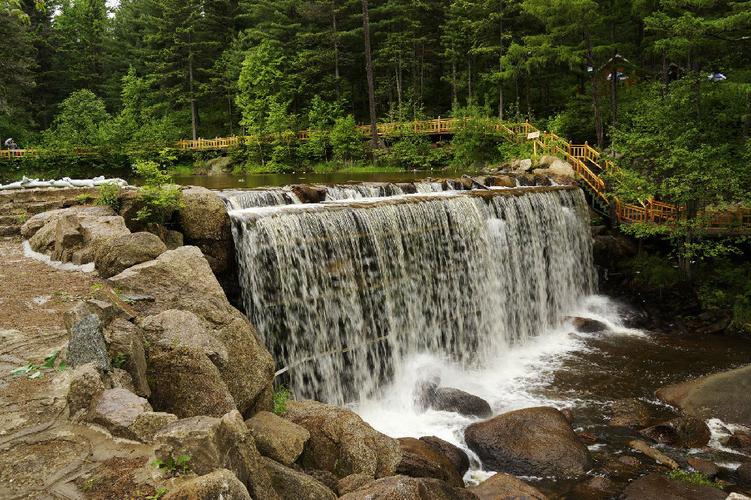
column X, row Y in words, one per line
column 42, row 454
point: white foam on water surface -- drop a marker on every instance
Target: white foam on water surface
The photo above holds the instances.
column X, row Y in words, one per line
column 60, row 266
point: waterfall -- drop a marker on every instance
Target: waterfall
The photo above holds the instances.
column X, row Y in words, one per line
column 343, row 291
column 237, row 200
column 356, row 191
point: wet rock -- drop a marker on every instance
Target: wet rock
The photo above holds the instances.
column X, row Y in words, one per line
column 501, row 486
column 149, row 423
column 456, row 455
column 183, row 381
column 220, row 484
column 419, row 459
column 125, row 347
column 684, row 432
column 117, row 254
column 341, row 442
column 353, row 482
column 117, row 409
column 86, row 343
column 85, row 387
column 652, row 453
column 293, row 485
column 744, row 474
column 424, row 392
column 276, row 437
column 181, row 279
column 568, row 414
column 586, row 437
column 629, row 413
column 725, row 395
column 409, row 488
column 709, row 469
column 588, row 325
column 532, row 441
column 217, row 443
column 740, row 439
column 501, row 180
column 658, row 487
column 597, row 488
column 458, row 401
column 521, row 165
column 630, row 461
column 309, row 194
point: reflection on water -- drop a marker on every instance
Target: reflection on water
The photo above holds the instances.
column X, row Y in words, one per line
column 229, row 181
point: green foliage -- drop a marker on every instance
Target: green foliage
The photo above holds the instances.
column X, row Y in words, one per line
column 120, row 360
column 696, row 478
column 347, row 140
column 109, row 195
column 173, row 466
column 160, row 198
column 79, row 122
column 158, row 493
column 281, row 396
column 33, row 371
column 474, row 143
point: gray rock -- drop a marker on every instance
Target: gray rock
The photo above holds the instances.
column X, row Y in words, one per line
column 85, row 387
column 276, row 437
column 341, row 442
column 293, row 485
column 148, row 424
column 531, row 441
column 105, row 311
column 86, row 344
column 117, row 409
column 464, row 403
column 456, row 455
column 725, row 395
column 656, row 486
column 117, row 254
column 217, row 443
column 409, row 488
column 218, row 485
column 503, row 486
column 125, row 345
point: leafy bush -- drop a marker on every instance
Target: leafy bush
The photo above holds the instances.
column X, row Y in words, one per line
column 109, row 195
column 160, row 198
column 474, row 144
column 691, row 477
column 347, row 140
column 411, row 151
column 79, row 122
column 281, row 396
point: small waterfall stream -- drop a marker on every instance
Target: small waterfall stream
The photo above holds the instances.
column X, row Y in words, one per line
column 344, row 292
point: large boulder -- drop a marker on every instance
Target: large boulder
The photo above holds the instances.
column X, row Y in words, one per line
column 501, row 486
column 684, row 432
column 184, row 382
column 409, row 488
column 531, row 442
column 118, row 254
column 217, row 443
column 458, row 401
column 220, row 484
column 182, row 279
column 117, row 409
column 276, row 437
column 725, row 395
column 629, row 413
column 85, row 386
column 86, row 343
column 456, row 455
column 419, row 459
column 205, row 223
column 293, row 485
column 38, row 221
column 125, row 347
column 341, row 442
column 657, row 486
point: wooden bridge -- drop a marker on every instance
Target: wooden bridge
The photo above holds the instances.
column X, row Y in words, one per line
column 588, row 163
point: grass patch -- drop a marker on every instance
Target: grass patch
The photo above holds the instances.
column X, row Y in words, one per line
column 696, row 478
column 365, row 168
column 281, row 396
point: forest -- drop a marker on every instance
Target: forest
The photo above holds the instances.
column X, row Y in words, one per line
column 663, row 85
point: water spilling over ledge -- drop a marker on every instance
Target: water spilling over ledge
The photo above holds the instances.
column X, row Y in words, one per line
column 342, row 291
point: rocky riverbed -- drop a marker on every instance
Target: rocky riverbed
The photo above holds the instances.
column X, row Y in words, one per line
column 139, row 378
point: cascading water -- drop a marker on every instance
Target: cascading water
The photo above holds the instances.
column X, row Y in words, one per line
column 237, row 200
column 344, row 292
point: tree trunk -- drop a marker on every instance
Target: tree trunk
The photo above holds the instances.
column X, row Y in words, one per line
column 614, row 94
column 336, row 50
column 500, row 64
column 595, row 99
column 369, row 73
column 193, row 110
column 469, row 80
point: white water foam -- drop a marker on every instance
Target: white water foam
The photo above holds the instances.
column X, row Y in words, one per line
column 60, row 266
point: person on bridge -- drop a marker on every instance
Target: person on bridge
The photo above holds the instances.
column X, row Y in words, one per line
column 10, row 144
